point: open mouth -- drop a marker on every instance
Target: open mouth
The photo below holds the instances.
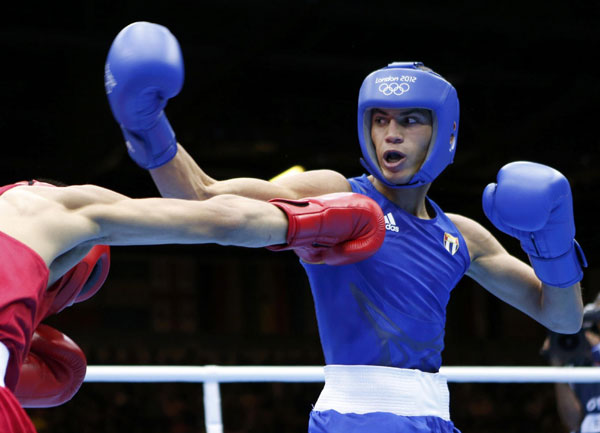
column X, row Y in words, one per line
column 393, row 156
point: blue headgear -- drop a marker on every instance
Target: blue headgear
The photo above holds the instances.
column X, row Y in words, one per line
column 405, row 85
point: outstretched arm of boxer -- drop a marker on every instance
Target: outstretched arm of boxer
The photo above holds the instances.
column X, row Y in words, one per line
column 335, row 228
column 61, row 224
column 225, row 220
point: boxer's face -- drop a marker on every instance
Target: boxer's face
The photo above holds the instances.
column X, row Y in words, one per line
column 401, row 138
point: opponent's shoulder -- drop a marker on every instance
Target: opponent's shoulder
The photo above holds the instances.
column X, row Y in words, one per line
column 83, row 195
column 74, row 197
column 48, row 219
column 71, row 196
column 61, row 208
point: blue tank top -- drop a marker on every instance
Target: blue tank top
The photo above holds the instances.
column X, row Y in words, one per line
column 390, row 309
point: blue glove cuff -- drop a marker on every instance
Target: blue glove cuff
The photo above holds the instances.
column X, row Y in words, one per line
column 152, row 147
column 563, row 271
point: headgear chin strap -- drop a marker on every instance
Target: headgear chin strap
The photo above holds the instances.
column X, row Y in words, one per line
column 405, row 85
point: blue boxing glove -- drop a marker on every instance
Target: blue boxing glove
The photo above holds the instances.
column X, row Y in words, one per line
column 532, row 202
column 144, row 68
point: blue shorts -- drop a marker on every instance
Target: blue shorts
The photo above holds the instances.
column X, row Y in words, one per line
column 377, row 399
column 330, row 421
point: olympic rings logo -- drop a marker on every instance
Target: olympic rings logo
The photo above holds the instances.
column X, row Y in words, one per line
column 395, row 88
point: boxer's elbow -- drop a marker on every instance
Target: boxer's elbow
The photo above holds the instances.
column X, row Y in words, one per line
column 567, row 324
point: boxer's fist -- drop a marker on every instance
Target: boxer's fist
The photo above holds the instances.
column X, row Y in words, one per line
column 335, row 229
column 53, row 370
column 144, row 68
column 532, row 202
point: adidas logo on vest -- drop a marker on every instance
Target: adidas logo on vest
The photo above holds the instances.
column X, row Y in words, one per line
column 390, row 223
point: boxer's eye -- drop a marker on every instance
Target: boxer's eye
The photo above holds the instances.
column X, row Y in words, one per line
column 409, row 120
column 380, row 120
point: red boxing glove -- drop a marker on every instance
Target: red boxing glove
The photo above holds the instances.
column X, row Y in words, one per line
column 335, row 229
column 53, row 370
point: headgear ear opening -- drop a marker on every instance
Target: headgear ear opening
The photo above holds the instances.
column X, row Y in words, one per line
column 410, row 85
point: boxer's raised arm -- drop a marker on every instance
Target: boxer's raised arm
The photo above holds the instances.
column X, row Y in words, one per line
column 182, row 177
column 144, row 69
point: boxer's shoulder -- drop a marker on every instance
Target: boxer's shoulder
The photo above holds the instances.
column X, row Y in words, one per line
column 30, row 199
column 479, row 240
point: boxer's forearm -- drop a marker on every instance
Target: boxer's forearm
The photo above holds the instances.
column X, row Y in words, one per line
column 182, row 178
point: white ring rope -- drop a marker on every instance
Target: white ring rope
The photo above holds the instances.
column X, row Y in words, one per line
column 215, row 373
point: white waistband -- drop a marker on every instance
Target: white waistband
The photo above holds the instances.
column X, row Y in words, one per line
column 4, row 355
column 368, row 388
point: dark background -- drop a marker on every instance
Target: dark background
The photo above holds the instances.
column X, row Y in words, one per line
column 269, row 85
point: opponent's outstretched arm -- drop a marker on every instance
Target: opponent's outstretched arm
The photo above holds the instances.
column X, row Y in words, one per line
column 224, row 220
column 61, row 223
column 144, row 69
column 334, row 229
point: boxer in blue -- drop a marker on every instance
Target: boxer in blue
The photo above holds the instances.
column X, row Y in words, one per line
column 381, row 320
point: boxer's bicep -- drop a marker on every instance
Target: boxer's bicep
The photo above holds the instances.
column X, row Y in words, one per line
column 313, row 183
column 294, row 186
column 183, row 178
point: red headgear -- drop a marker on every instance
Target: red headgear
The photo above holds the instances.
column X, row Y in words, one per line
column 82, row 281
